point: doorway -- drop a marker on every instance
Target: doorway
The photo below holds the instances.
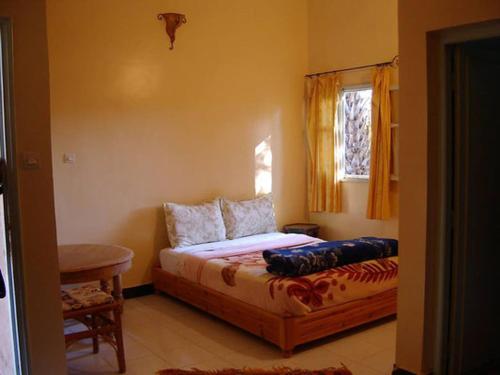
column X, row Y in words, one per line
column 464, row 172
column 8, row 355
column 13, row 354
column 474, row 130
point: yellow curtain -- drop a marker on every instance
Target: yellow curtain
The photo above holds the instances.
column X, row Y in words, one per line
column 380, row 156
column 323, row 175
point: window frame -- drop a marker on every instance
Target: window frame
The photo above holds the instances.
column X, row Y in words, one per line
column 341, row 132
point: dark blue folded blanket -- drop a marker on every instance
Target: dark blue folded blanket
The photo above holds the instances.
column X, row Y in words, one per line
column 309, row 259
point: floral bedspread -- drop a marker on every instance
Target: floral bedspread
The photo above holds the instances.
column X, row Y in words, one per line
column 241, row 273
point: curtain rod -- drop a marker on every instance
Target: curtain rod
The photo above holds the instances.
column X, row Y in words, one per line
column 393, row 62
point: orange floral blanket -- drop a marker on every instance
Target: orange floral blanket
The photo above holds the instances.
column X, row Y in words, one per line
column 241, row 273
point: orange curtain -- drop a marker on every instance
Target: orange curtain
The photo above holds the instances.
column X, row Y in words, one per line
column 380, row 158
column 324, row 191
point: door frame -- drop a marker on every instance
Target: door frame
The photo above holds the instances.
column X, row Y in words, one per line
column 441, row 119
column 14, row 275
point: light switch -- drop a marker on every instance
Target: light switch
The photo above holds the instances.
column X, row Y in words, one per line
column 69, row 158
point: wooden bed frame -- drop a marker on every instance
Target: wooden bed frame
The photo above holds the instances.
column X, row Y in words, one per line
column 285, row 332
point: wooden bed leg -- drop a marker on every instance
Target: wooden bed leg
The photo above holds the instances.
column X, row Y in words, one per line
column 287, row 345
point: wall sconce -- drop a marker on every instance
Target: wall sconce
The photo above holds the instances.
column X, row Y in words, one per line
column 172, row 22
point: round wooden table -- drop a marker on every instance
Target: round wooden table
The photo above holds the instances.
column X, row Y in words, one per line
column 83, row 263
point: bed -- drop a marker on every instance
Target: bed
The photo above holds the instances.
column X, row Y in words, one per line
column 229, row 280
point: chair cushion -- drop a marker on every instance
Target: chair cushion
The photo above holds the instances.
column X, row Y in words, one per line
column 83, row 297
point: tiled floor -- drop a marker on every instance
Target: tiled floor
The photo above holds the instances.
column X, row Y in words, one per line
column 161, row 332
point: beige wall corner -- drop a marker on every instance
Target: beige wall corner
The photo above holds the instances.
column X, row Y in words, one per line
column 344, row 34
column 32, row 127
column 416, row 18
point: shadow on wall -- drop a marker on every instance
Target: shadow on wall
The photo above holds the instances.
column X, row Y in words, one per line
column 160, row 239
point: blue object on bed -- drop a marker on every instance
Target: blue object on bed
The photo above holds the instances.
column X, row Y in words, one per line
column 310, row 259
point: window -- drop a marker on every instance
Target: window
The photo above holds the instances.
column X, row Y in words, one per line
column 355, row 126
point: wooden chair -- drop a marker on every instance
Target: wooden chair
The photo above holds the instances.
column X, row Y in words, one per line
column 100, row 313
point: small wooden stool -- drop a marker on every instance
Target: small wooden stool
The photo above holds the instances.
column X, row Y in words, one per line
column 100, row 313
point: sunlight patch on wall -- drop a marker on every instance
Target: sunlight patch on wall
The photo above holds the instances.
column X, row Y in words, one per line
column 263, row 167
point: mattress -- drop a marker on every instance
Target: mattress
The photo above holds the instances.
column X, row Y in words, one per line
column 171, row 259
column 236, row 268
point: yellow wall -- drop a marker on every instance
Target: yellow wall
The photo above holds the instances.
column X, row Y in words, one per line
column 38, row 235
column 344, row 34
column 416, row 17
column 148, row 124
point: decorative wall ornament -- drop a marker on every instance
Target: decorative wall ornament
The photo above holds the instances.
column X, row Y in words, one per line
column 172, row 22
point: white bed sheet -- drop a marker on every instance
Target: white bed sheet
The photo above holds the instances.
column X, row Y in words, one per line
column 170, row 259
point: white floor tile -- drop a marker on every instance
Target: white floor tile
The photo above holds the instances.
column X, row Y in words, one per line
column 352, row 347
column 88, row 363
column 133, row 350
column 161, row 332
column 382, row 361
column 213, row 364
column 317, row 358
column 147, row 365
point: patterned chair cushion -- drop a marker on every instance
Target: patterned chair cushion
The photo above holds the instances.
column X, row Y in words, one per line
column 194, row 224
column 245, row 218
column 83, row 297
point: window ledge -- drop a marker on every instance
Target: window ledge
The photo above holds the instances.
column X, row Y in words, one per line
column 355, row 179
column 367, row 179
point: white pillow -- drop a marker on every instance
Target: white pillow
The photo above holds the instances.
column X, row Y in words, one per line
column 245, row 218
column 194, row 224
